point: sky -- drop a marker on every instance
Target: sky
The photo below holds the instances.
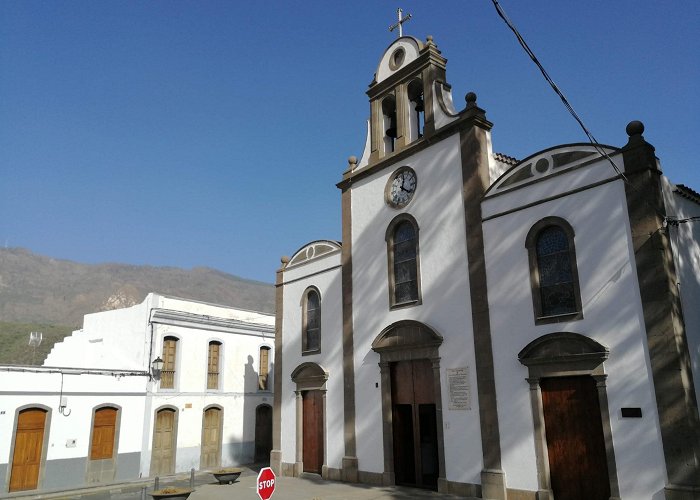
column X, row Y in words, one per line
column 212, row 133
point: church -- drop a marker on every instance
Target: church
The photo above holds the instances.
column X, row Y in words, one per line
column 488, row 326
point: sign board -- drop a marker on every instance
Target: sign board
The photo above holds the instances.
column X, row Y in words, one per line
column 458, row 385
column 266, row 483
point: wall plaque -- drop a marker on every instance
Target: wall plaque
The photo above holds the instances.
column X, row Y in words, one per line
column 458, row 385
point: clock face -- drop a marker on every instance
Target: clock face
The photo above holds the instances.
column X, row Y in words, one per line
column 402, row 187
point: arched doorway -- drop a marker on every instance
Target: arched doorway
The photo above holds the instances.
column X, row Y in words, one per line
column 411, row 404
column 164, row 442
column 573, row 440
column 212, row 424
column 29, row 452
column 310, row 380
column 263, row 433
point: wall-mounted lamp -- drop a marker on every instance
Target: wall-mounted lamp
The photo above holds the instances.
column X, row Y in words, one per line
column 156, row 368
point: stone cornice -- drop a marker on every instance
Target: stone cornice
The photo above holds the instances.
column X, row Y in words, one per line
column 210, row 323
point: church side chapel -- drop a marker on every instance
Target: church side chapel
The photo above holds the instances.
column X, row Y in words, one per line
column 492, row 327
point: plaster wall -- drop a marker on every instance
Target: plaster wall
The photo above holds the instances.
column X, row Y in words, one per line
column 328, row 283
column 115, row 339
column 438, row 209
column 68, row 433
column 612, row 316
column 685, row 238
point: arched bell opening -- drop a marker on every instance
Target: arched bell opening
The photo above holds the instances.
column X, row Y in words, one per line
column 389, row 124
column 416, row 110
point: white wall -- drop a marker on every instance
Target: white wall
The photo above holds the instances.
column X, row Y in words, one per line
column 612, row 316
column 685, row 238
column 323, row 273
column 438, row 209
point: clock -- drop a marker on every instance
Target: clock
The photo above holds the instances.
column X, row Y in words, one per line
column 401, row 187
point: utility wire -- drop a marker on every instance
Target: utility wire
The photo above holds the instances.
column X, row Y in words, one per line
column 556, row 89
column 667, row 220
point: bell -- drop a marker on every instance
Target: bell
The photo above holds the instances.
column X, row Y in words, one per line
column 391, row 132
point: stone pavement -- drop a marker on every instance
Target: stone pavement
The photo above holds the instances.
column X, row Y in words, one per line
column 308, row 487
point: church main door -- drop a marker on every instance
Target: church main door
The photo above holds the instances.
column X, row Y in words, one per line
column 575, row 441
column 313, row 431
column 414, row 420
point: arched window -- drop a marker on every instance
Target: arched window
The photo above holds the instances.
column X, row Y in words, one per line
column 311, row 322
column 167, row 376
column 264, row 370
column 402, row 251
column 213, row 364
column 553, row 272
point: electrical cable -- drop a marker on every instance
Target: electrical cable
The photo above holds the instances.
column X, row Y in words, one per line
column 667, row 220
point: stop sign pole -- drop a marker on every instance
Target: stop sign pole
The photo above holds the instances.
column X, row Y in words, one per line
column 266, row 483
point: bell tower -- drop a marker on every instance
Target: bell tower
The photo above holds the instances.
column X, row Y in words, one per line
column 403, row 95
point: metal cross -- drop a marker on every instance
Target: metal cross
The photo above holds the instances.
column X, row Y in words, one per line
column 400, row 23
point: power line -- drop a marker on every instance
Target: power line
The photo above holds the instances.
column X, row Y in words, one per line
column 667, row 220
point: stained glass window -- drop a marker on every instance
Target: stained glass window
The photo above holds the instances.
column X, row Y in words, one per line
column 312, row 322
column 405, row 263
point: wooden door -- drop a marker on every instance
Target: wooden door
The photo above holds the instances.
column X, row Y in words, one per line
column 575, row 443
column 414, row 423
column 263, row 433
column 103, row 433
column 211, row 439
column 313, row 431
column 29, row 442
column 163, row 455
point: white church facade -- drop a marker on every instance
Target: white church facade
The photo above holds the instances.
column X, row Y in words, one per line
column 492, row 327
column 99, row 410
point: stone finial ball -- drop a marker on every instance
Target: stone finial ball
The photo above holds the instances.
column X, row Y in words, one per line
column 352, row 159
column 470, row 98
column 635, row 128
column 284, row 260
column 429, row 38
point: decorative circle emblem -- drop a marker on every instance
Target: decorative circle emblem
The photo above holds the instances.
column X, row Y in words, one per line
column 396, row 59
column 401, row 187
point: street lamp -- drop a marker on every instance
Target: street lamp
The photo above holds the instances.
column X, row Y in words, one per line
column 156, row 368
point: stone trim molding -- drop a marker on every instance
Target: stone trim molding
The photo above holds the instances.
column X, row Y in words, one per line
column 669, row 355
column 475, row 152
column 350, row 461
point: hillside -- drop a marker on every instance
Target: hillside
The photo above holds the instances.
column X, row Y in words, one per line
column 56, row 294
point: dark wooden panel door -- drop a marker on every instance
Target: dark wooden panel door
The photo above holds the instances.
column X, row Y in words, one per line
column 263, row 433
column 29, row 440
column 211, row 438
column 575, row 442
column 313, row 431
column 163, row 455
column 414, row 423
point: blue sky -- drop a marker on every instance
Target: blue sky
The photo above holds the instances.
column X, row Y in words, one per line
column 212, row 133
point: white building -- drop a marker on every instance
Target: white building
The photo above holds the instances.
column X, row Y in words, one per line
column 491, row 327
column 94, row 414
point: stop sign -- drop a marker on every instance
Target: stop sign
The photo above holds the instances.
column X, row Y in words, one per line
column 266, row 483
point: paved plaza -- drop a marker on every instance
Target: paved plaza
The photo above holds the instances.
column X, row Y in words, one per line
column 309, row 487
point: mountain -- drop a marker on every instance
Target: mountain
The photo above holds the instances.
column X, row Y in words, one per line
column 42, row 290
